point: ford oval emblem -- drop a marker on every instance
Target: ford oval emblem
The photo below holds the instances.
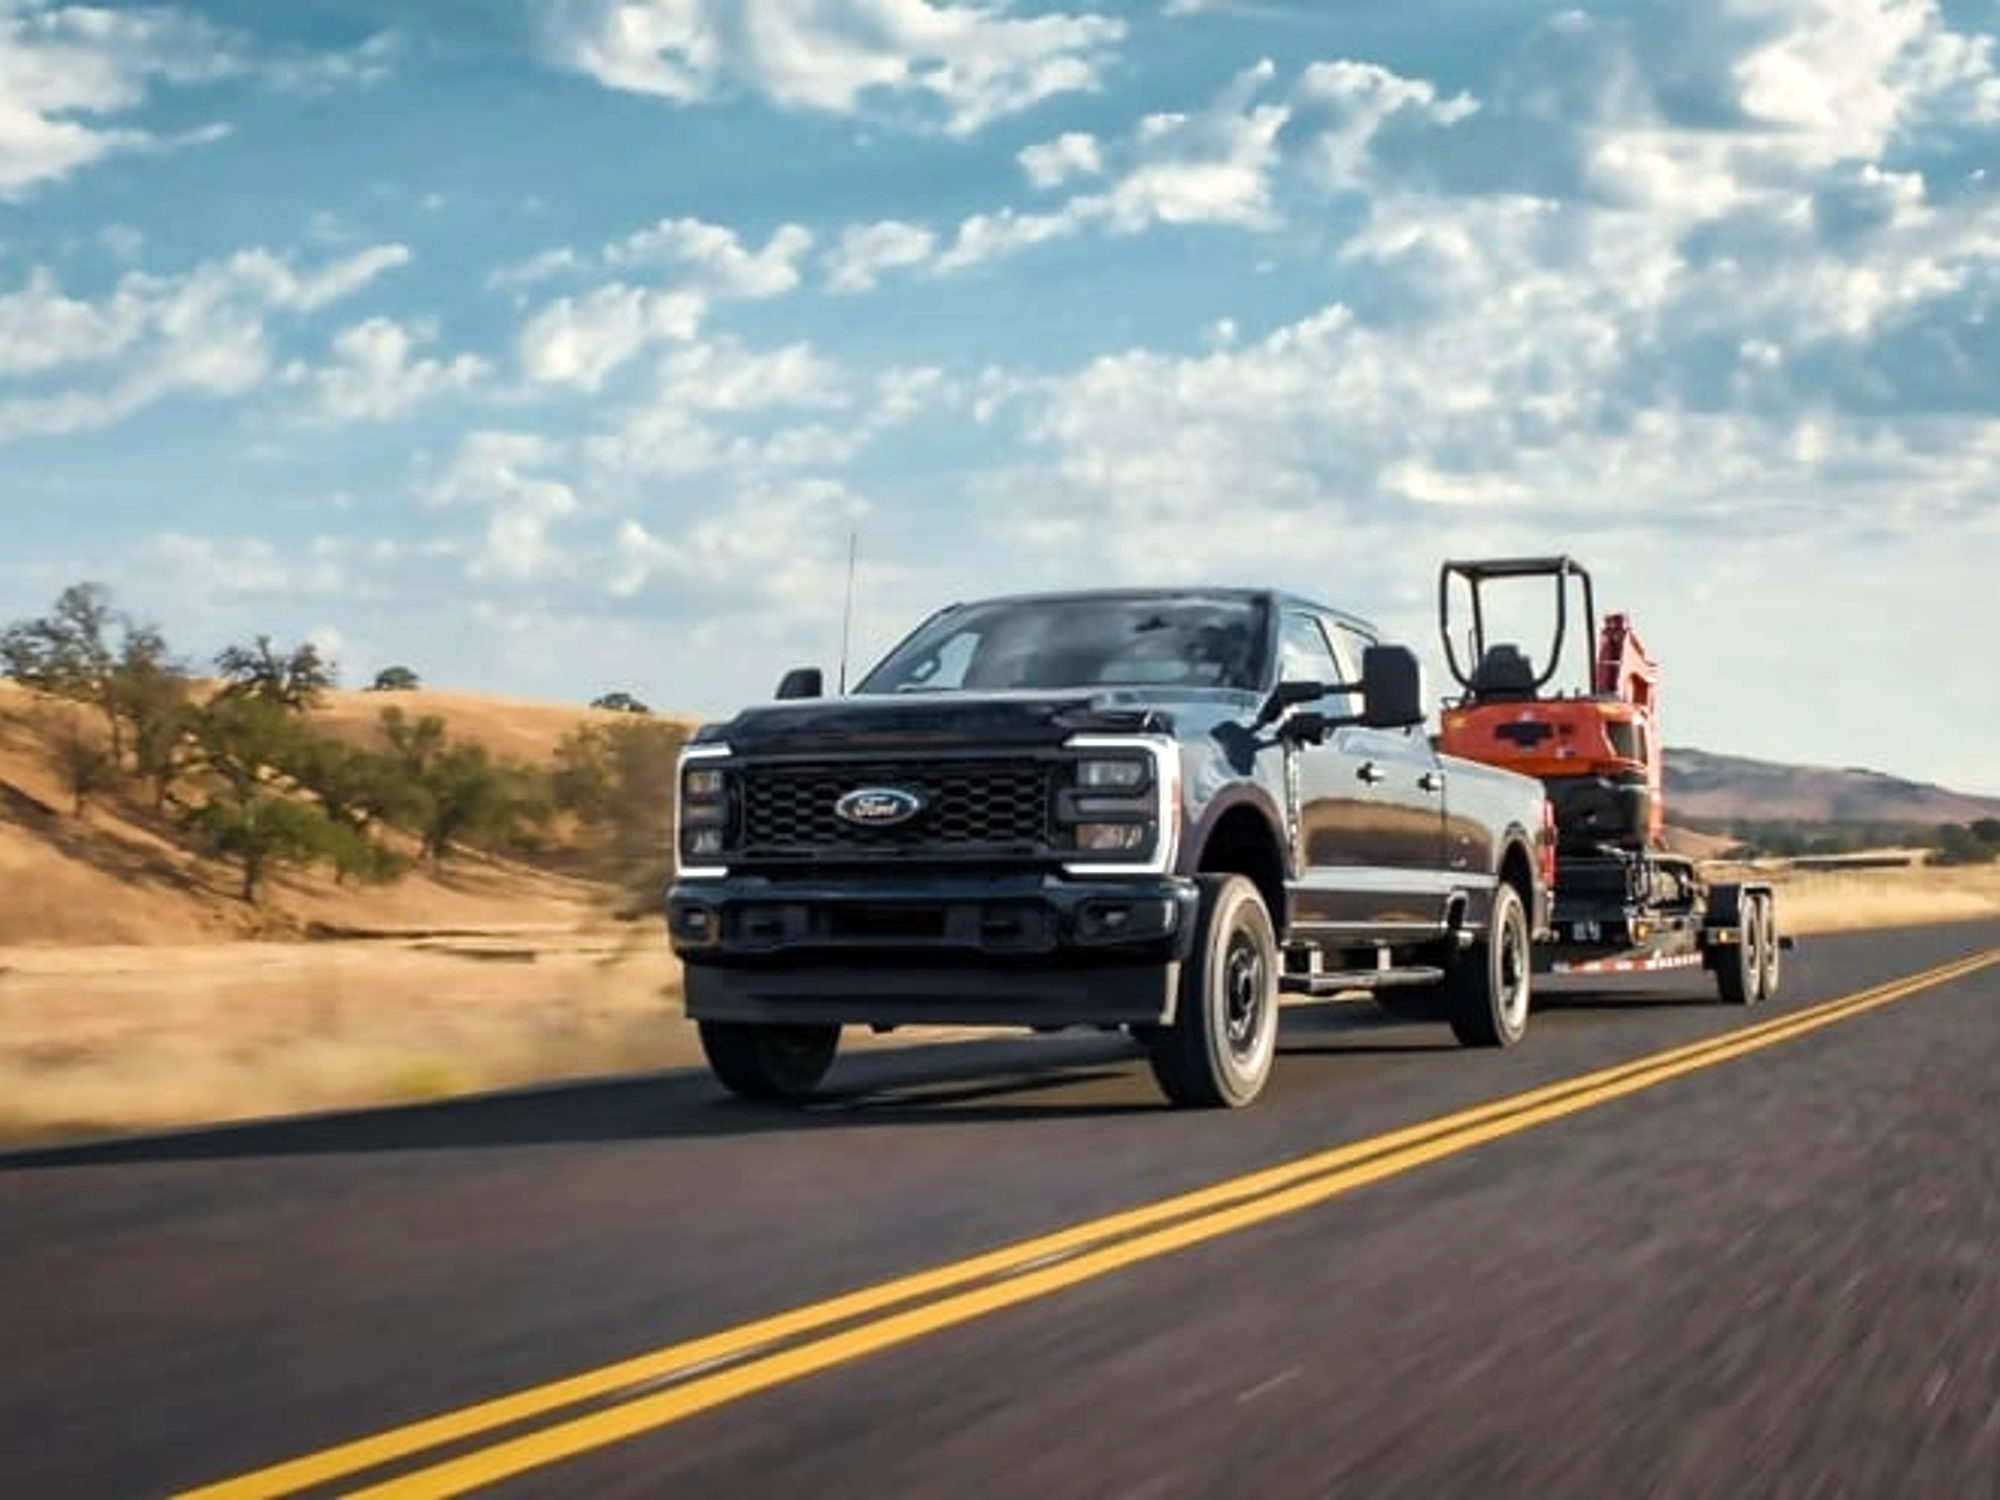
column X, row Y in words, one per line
column 878, row 806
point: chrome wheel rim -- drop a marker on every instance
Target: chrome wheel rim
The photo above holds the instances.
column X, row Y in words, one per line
column 1511, row 960
column 1245, row 983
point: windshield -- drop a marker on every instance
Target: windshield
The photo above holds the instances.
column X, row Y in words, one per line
column 1185, row 640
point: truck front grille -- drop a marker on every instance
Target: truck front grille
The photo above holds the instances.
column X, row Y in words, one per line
column 970, row 809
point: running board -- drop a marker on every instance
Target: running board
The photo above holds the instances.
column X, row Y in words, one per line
column 1324, row 984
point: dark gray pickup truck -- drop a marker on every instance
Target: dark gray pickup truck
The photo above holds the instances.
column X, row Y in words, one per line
column 1154, row 810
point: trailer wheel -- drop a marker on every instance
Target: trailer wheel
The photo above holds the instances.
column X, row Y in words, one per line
column 1739, row 977
column 769, row 1062
column 1224, row 1034
column 1486, row 992
column 1767, row 967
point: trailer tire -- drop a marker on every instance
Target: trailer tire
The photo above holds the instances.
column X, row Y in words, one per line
column 784, row 1062
column 1739, row 979
column 1218, row 1051
column 1486, row 993
column 1767, row 965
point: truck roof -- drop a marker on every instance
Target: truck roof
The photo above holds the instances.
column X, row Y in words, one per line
column 1278, row 598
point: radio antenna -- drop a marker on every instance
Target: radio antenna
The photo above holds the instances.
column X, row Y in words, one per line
column 847, row 612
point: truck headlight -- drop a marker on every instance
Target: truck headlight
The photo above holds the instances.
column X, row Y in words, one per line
column 1117, row 806
column 705, row 812
column 1124, row 773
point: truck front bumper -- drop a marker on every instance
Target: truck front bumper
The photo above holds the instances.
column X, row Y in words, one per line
column 1029, row 950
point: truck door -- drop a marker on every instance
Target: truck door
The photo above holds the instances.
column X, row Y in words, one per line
column 1414, row 785
column 1369, row 835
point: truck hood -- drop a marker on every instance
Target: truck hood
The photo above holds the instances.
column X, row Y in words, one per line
column 935, row 721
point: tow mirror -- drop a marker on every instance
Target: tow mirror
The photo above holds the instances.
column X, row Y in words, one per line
column 1392, row 688
column 1290, row 695
column 802, row 682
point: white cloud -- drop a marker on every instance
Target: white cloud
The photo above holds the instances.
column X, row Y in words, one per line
column 67, row 70
column 581, row 340
column 1073, row 154
column 1350, row 102
column 505, row 475
column 536, row 268
column 721, row 408
column 867, row 250
column 365, row 66
column 151, row 337
column 711, row 260
column 971, row 63
column 181, row 566
column 377, row 373
column 1212, row 167
column 772, row 546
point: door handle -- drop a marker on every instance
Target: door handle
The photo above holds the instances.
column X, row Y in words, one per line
column 1431, row 781
column 1371, row 773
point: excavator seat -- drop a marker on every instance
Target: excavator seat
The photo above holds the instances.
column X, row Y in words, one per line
column 1504, row 673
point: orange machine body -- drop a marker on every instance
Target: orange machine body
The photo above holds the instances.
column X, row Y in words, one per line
column 1595, row 747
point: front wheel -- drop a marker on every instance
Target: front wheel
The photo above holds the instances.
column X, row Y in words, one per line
column 769, row 1062
column 1224, row 1034
column 1486, row 991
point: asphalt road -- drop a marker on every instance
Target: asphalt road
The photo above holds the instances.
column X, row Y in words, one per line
column 1771, row 1270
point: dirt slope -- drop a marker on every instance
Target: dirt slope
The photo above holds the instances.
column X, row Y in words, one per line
column 110, row 877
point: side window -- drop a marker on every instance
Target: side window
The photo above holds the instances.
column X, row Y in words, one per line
column 1348, row 645
column 1304, row 655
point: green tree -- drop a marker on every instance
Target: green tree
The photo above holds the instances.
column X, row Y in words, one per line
column 1960, row 844
column 395, row 680
column 155, row 697
column 76, row 751
column 294, row 679
column 460, row 793
column 620, row 702
column 360, row 791
column 72, row 652
column 617, row 781
column 414, row 743
column 247, row 745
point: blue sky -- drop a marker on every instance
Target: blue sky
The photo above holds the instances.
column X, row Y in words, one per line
column 558, row 346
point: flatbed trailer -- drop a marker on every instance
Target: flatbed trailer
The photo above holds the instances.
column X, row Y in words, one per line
column 1629, row 911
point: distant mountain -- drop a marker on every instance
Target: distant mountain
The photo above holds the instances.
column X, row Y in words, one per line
column 1704, row 787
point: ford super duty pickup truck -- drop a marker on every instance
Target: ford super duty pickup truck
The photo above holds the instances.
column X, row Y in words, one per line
column 1156, row 810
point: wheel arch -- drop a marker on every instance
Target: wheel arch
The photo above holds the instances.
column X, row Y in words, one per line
column 1240, row 840
column 1517, row 868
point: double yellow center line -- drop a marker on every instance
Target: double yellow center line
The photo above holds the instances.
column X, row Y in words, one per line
column 650, row 1391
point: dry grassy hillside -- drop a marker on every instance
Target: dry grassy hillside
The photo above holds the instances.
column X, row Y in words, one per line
column 115, row 876
column 519, row 729
column 1718, row 788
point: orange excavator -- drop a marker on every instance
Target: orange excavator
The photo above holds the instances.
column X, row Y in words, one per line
column 1623, row 900
column 1595, row 747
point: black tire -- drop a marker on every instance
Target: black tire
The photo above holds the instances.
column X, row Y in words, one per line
column 1486, row 993
column 769, row 1062
column 1739, row 976
column 1767, row 967
column 1218, row 1051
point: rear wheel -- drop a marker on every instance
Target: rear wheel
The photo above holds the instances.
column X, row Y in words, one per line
column 1739, row 976
column 769, row 1062
column 1485, row 993
column 1767, row 968
column 1224, row 1034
